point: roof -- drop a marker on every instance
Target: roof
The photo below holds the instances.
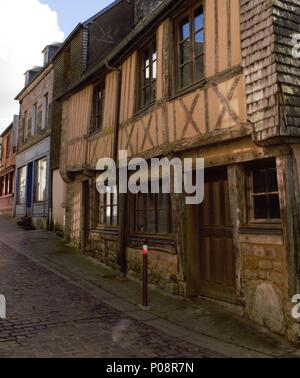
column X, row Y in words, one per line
column 84, row 25
column 127, row 44
column 6, row 131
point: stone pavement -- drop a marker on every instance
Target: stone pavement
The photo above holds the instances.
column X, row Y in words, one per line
column 62, row 304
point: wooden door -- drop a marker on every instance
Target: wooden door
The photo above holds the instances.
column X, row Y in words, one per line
column 217, row 256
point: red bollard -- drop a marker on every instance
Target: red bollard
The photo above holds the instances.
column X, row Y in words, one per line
column 145, row 275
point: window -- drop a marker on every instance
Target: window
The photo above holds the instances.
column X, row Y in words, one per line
column 99, row 96
column 41, row 180
column 26, row 129
column 67, row 64
column 45, row 112
column 153, row 214
column 22, row 185
column 33, row 120
column 148, row 73
column 264, row 202
column 190, row 52
column 108, row 208
column 8, row 145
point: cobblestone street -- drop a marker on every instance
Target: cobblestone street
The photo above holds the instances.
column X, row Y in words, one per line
column 62, row 304
column 49, row 317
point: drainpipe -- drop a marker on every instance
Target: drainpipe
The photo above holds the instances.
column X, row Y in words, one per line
column 122, row 197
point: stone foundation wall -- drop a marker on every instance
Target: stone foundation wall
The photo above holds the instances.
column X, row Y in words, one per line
column 163, row 266
column 163, row 269
column 265, row 285
column 103, row 249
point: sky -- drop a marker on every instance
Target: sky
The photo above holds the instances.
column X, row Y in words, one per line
column 26, row 27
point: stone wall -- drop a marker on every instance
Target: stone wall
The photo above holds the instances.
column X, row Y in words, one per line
column 104, row 249
column 162, row 269
column 265, row 283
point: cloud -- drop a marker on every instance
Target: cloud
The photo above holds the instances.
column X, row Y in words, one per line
column 26, row 27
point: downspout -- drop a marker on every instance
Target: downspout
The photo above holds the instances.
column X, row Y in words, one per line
column 122, row 197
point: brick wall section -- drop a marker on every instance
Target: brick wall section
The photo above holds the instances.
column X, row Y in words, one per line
column 272, row 76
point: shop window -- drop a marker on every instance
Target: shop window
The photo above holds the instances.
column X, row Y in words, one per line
column 41, row 180
column 22, row 186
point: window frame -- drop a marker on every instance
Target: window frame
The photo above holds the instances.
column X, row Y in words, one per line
column 98, row 115
column 145, row 212
column 151, row 48
column 26, row 128
column 19, row 202
column 45, row 112
column 178, row 19
column 250, row 217
column 103, row 204
column 37, row 187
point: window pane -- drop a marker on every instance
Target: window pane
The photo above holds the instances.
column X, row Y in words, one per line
column 272, row 180
column 151, row 201
column 115, row 216
column 185, row 52
column 199, row 39
column 274, row 207
column 164, row 201
column 151, row 222
column 146, row 95
column 185, row 75
column 199, row 68
column 102, row 216
column 41, row 180
column 260, row 207
column 22, row 184
column 163, row 222
column 199, row 19
column 140, row 221
column 185, row 29
column 154, row 70
column 259, row 181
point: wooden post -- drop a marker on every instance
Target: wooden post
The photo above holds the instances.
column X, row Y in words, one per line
column 236, row 186
column 145, row 275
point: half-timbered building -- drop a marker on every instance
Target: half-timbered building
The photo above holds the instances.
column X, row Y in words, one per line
column 214, row 79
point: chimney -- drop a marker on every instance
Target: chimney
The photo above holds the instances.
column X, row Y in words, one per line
column 143, row 8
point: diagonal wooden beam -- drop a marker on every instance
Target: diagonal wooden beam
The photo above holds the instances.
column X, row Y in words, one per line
column 189, row 116
column 147, row 132
column 226, row 104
